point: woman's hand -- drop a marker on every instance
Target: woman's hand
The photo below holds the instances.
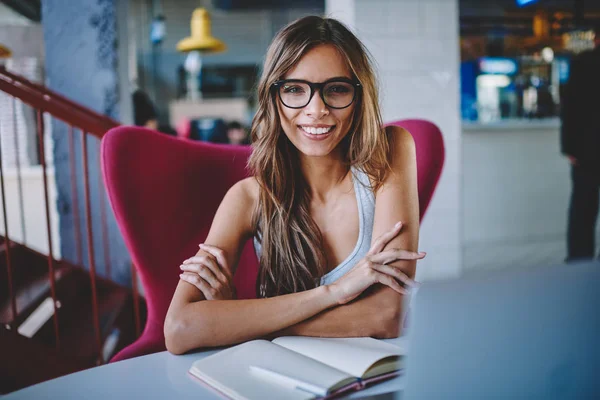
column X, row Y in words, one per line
column 209, row 272
column 373, row 269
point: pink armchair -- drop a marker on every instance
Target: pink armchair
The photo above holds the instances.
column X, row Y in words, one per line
column 165, row 191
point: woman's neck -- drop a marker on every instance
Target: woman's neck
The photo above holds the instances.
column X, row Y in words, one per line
column 323, row 175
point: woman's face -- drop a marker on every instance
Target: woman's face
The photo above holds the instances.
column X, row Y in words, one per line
column 316, row 129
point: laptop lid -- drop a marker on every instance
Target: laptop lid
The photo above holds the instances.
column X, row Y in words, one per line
column 521, row 333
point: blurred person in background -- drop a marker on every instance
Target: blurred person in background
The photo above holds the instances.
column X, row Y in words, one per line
column 146, row 115
column 580, row 143
column 236, row 134
column 545, row 102
column 144, row 112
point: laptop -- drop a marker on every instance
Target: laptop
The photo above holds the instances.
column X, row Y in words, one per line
column 526, row 333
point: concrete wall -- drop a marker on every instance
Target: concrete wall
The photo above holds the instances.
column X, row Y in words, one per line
column 415, row 44
column 82, row 63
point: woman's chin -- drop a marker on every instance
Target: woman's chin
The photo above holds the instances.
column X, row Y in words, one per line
column 315, row 151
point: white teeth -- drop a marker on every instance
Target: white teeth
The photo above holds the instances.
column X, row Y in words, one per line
column 316, row 131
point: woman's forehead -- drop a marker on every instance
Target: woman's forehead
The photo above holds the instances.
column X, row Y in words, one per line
column 320, row 64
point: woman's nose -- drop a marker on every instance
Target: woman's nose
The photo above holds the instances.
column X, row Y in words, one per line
column 316, row 107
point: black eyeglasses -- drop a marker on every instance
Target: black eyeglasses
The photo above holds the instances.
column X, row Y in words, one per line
column 336, row 93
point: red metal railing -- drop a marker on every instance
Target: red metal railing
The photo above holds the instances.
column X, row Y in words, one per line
column 40, row 132
column 41, row 98
column 88, row 122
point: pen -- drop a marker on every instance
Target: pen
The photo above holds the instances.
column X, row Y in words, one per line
column 291, row 383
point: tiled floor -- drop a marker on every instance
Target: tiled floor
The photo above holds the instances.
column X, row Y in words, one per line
column 499, row 255
column 515, row 195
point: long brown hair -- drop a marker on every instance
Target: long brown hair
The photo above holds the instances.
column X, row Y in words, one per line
column 292, row 257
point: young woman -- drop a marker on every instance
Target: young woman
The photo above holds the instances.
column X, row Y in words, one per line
column 332, row 202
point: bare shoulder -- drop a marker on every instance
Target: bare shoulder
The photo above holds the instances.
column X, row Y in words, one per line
column 401, row 141
column 245, row 191
column 402, row 148
column 236, row 210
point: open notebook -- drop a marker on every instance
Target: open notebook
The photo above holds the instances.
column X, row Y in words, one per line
column 298, row 367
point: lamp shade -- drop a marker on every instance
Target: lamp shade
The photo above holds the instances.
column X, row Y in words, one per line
column 201, row 38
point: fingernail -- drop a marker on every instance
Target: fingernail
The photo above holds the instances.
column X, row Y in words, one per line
column 181, row 266
column 201, row 245
column 181, row 276
column 398, row 225
column 422, row 253
column 185, row 261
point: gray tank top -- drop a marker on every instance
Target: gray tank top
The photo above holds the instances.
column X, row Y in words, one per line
column 365, row 200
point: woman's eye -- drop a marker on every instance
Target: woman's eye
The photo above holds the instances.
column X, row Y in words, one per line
column 338, row 90
column 293, row 89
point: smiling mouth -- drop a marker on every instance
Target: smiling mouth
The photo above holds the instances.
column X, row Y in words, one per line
column 316, row 131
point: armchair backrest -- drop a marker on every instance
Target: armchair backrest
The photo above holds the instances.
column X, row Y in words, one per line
column 429, row 146
column 164, row 192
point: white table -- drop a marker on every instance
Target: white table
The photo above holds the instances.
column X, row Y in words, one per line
column 155, row 376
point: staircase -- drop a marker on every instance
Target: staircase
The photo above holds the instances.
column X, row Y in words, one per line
column 56, row 316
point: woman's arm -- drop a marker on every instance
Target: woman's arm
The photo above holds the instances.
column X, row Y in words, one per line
column 192, row 322
column 356, row 319
column 190, row 325
column 379, row 314
column 398, row 198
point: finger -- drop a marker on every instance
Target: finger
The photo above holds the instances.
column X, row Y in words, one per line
column 210, row 261
column 396, row 273
column 196, row 261
column 220, row 256
column 196, row 281
column 201, row 259
column 384, row 239
column 391, row 255
column 391, row 282
column 204, row 271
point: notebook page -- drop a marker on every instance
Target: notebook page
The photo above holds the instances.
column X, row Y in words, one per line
column 229, row 371
column 351, row 355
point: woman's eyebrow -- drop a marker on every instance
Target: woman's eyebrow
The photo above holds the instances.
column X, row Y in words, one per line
column 324, row 80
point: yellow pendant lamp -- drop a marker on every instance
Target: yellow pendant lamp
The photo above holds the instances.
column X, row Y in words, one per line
column 200, row 42
column 201, row 38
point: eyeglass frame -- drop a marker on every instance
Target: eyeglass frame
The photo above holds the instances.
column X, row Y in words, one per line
column 320, row 86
